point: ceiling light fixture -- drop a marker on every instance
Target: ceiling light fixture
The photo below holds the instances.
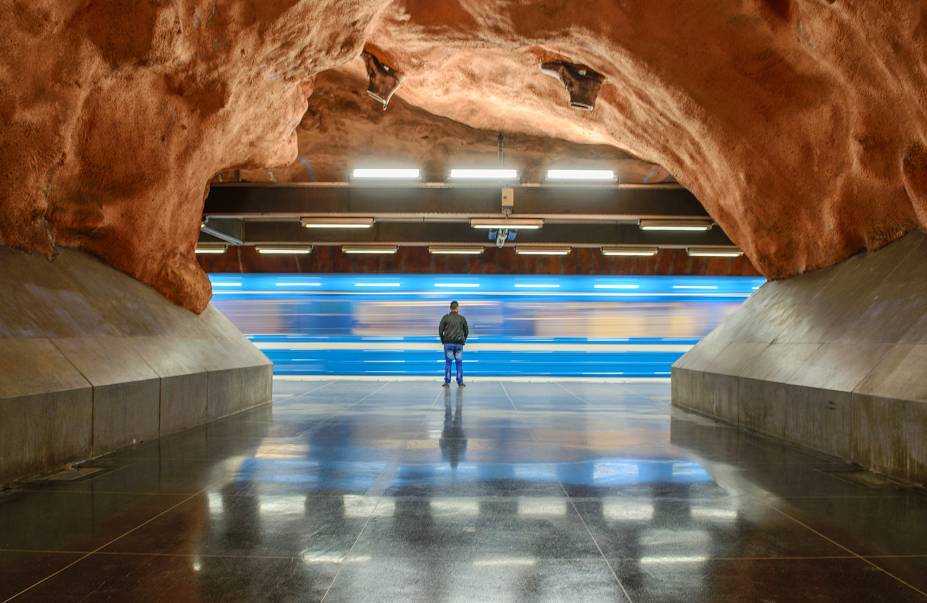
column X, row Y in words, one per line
column 543, row 250
column 455, row 250
column 499, row 223
column 210, row 248
column 686, row 225
column 283, row 250
column 386, row 249
column 631, row 251
column 714, row 252
column 484, row 174
column 581, row 175
column 386, row 173
column 337, row 222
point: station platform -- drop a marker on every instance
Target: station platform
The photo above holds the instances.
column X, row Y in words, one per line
column 380, row 491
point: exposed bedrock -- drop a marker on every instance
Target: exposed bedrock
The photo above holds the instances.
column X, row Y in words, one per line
column 116, row 114
column 799, row 124
column 343, row 128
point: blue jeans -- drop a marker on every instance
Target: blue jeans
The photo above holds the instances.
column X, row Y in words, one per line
column 453, row 352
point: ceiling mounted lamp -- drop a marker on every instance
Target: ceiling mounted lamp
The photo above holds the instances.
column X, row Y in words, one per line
column 630, row 250
column 714, row 252
column 337, row 222
column 677, row 225
column 511, row 224
column 564, row 175
column 483, row 174
column 210, row 248
column 455, row 250
column 386, row 174
column 383, row 81
column 543, row 250
column 370, row 249
column 581, row 82
column 283, row 250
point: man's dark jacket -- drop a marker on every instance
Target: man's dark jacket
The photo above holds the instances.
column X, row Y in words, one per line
column 453, row 329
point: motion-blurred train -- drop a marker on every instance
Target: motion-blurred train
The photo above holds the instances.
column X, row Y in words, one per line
column 520, row 325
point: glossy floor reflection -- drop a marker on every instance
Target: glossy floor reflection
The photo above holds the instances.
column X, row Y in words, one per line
column 502, row 491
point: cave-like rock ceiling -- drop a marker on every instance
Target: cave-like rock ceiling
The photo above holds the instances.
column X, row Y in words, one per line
column 799, row 124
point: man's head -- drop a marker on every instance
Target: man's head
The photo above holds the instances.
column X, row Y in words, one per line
column 454, row 306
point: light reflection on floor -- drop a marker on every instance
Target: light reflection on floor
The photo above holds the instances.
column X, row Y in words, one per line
column 515, row 491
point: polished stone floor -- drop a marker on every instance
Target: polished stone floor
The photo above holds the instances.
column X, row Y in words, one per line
column 499, row 492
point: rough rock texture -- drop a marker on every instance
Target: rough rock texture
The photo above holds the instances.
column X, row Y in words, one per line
column 344, row 128
column 800, row 124
column 324, row 259
column 116, row 113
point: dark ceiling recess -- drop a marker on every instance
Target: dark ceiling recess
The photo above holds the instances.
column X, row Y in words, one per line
column 417, row 260
column 419, row 215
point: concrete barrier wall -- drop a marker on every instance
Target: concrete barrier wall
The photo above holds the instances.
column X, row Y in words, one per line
column 835, row 360
column 92, row 360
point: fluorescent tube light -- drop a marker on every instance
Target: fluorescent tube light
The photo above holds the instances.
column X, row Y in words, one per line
column 582, row 175
column 484, row 174
column 536, row 286
column 210, row 248
column 499, row 223
column 337, row 222
column 714, row 252
column 386, row 173
column 543, row 250
column 615, row 286
column 456, row 250
column 631, row 251
column 687, row 225
column 369, row 249
column 283, row 250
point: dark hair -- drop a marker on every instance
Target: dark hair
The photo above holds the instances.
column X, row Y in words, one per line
column 454, row 305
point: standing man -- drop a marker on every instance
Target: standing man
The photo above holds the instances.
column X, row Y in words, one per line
column 453, row 332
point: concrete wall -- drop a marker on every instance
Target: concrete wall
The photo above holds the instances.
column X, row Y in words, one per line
column 834, row 360
column 92, row 360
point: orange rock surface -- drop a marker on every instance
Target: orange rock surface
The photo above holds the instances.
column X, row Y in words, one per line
column 800, row 124
column 116, row 114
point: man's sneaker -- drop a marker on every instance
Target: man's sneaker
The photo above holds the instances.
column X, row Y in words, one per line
column 445, row 385
column 461, row 385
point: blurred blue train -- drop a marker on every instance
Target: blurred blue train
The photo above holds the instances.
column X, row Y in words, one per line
column 520, row 325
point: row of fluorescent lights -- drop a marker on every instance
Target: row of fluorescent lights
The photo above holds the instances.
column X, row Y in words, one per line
column 510, row 223
column 629, row 250
column 495, row 174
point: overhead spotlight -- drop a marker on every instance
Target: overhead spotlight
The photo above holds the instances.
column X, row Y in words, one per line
column 714, row 252
column 386, row 173
column 383, row 79
column 371, row 249
column 582, row 82
column 543, row 250
column 283, row 250
column 483, row 174
column 337, row 222
column 581, row 175
column 456, row 250
column 511, row 224
column 687, row 225
column 631, row 250
column 210, row 248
